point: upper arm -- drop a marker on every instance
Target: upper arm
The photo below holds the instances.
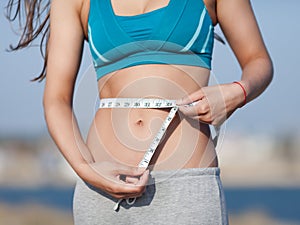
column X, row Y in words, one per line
column 238, row 23
column 64, row 49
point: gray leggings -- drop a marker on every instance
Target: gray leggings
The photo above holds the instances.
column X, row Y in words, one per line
column 186, row 196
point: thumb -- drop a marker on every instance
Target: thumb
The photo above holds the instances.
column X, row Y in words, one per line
column 189, row 99
column 130, row 171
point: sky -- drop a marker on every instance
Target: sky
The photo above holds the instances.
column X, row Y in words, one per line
column 276, row 111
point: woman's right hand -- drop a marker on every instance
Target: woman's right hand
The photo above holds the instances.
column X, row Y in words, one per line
column 117, row 180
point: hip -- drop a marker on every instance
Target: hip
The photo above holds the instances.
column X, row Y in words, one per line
column 186, row 196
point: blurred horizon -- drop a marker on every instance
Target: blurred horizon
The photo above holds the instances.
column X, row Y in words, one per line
column 259, row 145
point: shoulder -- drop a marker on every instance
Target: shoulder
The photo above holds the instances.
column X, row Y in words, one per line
column 232, row 7
column 78, row 10
column 67, row 6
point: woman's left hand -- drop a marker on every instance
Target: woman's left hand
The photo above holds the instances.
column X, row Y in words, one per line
column 212, row 104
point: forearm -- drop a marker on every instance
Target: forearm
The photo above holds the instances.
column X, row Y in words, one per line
column 256, row 76
column 63, row 128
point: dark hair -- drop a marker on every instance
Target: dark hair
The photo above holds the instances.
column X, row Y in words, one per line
column 36, row 23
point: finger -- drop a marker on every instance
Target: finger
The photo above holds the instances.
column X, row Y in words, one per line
column 199, row 108
column 189, row 111
column 143, row 179
column 131, row 180
column 132, row 187
column 126, row 195
column 193, row 97
column 193, row 111
column 129, row 171
column 128, row 190
column 201, row 119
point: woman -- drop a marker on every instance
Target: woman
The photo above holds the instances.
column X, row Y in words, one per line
column 143, row 51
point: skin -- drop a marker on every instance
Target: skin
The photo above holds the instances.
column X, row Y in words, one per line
column 118, row 138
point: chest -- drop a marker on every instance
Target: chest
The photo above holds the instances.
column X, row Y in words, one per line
column 137, row 7
column 180, row 32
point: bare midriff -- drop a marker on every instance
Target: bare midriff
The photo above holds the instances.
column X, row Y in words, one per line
column 123, row 135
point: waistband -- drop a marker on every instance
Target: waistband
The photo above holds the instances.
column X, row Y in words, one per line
column 187, row 172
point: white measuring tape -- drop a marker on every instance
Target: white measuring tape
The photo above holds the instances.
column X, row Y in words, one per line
column 145, row 103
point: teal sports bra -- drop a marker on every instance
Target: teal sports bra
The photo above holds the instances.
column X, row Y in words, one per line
column 181, row 33
column 140, row 27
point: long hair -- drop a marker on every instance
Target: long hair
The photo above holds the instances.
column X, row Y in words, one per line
column 33, row 18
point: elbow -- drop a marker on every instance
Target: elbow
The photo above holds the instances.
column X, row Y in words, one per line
column 263, row 66
column 269, row 69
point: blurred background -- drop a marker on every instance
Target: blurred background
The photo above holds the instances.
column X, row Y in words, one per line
column 36, row 184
